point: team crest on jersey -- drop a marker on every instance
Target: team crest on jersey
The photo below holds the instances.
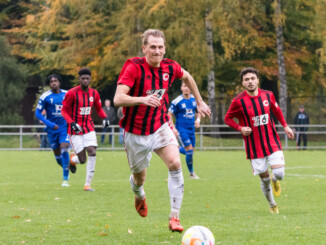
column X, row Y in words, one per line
column 194, row 103
column 166, row 76
column 183, row 105
column 91, row 99
column 265, row 103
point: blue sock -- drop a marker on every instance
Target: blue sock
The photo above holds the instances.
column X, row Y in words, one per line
column 65, row 163
column 182, row 150
column 58, row 159
column 189, row 155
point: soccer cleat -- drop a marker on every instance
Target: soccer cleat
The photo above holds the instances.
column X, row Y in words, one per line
column 276, row 187
column 174, row 225
column 141, row 207
column 274, row 210
column 65, row 183
column 193, row 176
column 88, row 188
column 72, row 165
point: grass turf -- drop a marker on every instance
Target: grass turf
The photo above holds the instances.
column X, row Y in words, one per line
column 35, row 209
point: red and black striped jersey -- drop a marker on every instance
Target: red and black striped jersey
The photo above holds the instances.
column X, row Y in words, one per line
column 255, row 112
column 77, row 107
column 145, row 80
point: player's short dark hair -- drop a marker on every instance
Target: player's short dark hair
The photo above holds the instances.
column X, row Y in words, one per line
column 84, row 71
column 48, row 79
column 248, row 70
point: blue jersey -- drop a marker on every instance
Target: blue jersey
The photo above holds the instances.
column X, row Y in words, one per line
column 184, row 111
column 52, row 103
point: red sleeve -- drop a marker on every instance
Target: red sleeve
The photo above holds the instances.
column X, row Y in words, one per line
column 66, row 107
column 277, row 111
column 232, row 113
column 179, row 71
column 98, row 105
column 128, row 74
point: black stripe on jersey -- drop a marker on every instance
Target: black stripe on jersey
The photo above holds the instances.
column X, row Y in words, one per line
column 265, row 126
column 160, row 75
column 140, row 92
column 76, row 108
column 251, row 136
column 259, row 128
column 151, row 130
column 83, row 116
column 88, row 105
column 171, row 75
column 166, row 113
column 273, row 127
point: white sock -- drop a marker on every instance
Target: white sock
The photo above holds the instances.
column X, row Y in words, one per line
column 90, row 169
column 265, row 184
column 278, row 174
column 176, row 188
column 75, row 159
column 138, row 190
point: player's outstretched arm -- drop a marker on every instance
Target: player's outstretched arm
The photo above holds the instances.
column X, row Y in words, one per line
column 122, row 98
column 202, row 108
column 48, row 123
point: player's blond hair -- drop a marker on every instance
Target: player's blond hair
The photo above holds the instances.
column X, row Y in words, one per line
column 151, row 32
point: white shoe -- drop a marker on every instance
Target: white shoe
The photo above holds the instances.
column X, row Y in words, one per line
column 65, row 183
column 193, row 176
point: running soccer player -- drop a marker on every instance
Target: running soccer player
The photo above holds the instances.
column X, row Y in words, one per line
column 184, row 109
column 77, row 109
column 56, row 125
column 142, row 92
column 253, row 109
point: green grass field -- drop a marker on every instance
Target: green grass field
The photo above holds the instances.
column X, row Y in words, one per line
column 35, row 209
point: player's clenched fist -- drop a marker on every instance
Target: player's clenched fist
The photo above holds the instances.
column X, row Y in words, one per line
column 151, row 100
column 76, row 127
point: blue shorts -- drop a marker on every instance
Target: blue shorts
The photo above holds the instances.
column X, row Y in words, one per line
column 188, row 138
column 56, row 137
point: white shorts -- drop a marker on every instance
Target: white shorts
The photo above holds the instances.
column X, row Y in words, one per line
column 260, row 165
column 80, row 142
column 139, row 147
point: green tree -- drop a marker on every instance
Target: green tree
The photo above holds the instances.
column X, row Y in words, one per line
column 12, row 86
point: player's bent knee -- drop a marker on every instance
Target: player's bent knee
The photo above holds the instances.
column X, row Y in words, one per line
column 278, row 173
column 175, row 164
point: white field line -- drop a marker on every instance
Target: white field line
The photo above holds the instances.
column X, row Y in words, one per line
column 298, row 167
column 307, row 175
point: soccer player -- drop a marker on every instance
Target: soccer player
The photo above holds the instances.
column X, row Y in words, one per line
column 56, row 125
column 77, row 109
column 184, row 109
column 142, row 91
column 253, row 109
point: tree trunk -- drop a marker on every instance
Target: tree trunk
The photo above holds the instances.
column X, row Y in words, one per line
column 280, row 59
column 211, row 73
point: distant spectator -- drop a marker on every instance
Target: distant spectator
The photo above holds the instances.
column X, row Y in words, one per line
column 301, row 119
column 111, row 114
column 120, row 115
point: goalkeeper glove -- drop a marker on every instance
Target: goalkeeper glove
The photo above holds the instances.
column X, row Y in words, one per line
column 106, row 123
column 76, row 127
